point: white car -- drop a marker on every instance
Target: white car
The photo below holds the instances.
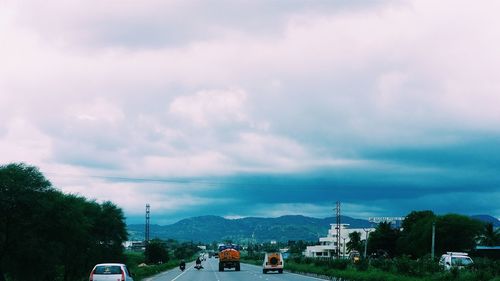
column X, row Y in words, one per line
column 110, row 272
column 455, row 259
column 273, row 262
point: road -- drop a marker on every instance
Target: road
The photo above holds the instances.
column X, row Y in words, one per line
column 211, row 273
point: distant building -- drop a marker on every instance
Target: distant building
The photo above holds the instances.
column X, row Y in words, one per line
column 135, row 245
column 492, row 252
column 327, row 247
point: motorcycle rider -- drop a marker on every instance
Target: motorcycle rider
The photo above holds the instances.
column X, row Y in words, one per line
column 198, row 263
column 182, row 265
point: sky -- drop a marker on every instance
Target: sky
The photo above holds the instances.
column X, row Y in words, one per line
column 256, row 108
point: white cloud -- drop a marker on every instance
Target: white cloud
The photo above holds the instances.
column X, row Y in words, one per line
column 83, row 85
column 165, row 198
column 23, row 142
column 208, row 107
column 99, row 111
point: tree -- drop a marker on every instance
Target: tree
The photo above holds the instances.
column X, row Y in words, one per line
column 59, row 236
column 415, row 238
column 23, row 191
column 456, row 233
column 354, row 242
column 489, row 237
column 185, row 250
column 110, row 232
column 453, row 233
column 384, row 239
column 156, row 252
column 297, row 247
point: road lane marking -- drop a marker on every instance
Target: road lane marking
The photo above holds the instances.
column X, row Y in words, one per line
column 182, row 273
column 316, row 278
column 278, row 276
column 215, row 272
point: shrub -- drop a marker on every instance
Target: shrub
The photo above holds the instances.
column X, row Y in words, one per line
column 383, row 264
column 362, row 265
column 404, row 265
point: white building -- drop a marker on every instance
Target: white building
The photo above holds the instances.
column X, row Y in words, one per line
column 328, row 244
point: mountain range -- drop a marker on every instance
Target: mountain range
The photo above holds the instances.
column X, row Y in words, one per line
column 214, row 228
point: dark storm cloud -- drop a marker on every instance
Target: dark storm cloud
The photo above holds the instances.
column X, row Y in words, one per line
column 241, row 108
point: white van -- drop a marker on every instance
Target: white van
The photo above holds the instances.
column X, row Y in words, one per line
column 455, row 259
column 273, row 262
column 110, row 272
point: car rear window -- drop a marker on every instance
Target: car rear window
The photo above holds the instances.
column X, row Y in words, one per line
column 108, row 269
column 461, row 261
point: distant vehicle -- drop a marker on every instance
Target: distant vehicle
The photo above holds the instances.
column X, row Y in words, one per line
column 455, row 260
column 198, row 266
column 229, row 257
column 273, row 261
column 110, row 272
column 354, row 256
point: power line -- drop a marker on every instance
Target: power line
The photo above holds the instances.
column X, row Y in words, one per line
column 244, row 182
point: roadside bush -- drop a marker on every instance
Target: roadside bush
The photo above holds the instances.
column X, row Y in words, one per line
column 362, row 265
column 487, row 265
column 404, row 265
column 427, row 266
column 339, row 264
column 382, row 264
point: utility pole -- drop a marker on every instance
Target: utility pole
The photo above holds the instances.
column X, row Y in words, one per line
column 146, row 232
column 367, row 231
column 433, row 239
column 343, row 253
column 338, row 229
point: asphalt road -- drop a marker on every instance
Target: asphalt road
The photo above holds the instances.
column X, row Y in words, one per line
column 211, row 273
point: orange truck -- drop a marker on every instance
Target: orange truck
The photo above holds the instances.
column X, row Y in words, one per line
column 229, row 257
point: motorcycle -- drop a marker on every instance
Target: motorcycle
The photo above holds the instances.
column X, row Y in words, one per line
column 182, row 267
column 198, row 266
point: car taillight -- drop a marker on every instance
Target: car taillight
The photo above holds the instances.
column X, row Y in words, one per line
column 91, row 277
column 123, row 275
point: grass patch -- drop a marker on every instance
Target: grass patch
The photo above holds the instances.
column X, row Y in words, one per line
column 349, row 273
column 353, row 273
column 146, row 271
column 134, row 259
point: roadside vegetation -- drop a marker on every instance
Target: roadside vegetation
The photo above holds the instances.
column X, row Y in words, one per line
column 46, row 235
column 51, row 236
column 160, row 256
column 402, row 255
column 397, row 269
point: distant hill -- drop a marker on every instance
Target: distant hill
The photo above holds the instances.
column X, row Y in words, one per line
column 487, row 219
column 214, row 228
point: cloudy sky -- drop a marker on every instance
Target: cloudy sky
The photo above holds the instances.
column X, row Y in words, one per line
column 256, row 108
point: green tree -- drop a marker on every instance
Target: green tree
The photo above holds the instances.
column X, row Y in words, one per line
column 110, row 231
column 456, row 233
column 185, row 250
column 23, row 191
column 297, row 247
column 354, row 242
column 415, row 238
column 156, row 252
column 453, row 233
column 384, row 238
column 489, row 237
column 59, row 236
